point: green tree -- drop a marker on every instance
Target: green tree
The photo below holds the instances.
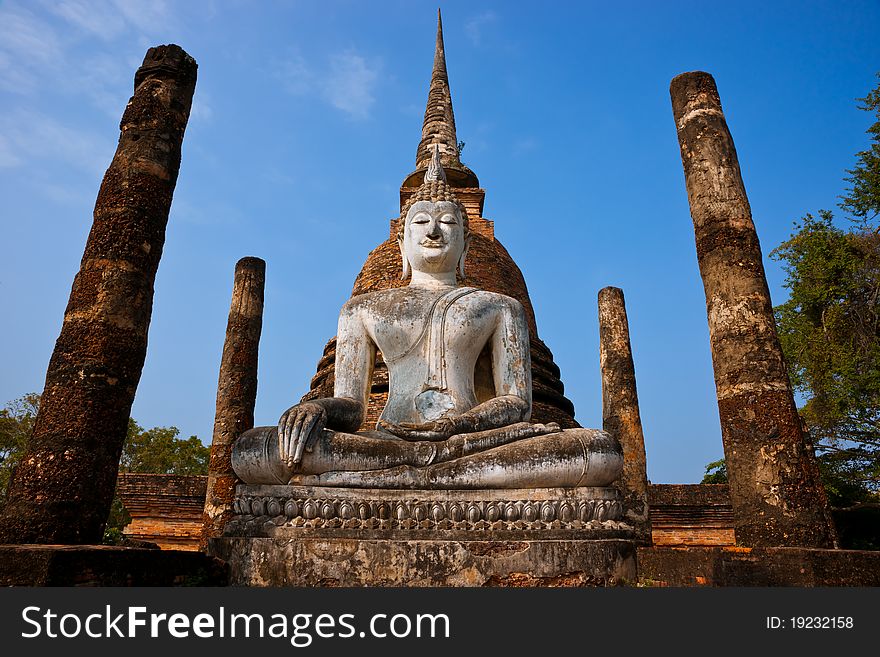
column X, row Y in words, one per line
column 16, row 426
column 862, row 200
column 716, row 473
column 160, row 451
column 829, row 329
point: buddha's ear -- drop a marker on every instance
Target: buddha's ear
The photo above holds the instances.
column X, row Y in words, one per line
column 404, row 274
column 467, row 244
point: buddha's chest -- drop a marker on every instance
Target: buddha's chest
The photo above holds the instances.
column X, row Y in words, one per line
column 423, row 330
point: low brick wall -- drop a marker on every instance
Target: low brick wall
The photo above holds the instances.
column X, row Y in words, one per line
column 165, row 509
column 690, row 514
column 738, row 566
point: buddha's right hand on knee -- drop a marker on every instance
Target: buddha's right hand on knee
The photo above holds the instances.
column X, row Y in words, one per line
column 298, row 428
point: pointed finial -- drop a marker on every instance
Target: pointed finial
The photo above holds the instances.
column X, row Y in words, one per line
column 435, row 168
column 439, row 51
column 438, row 127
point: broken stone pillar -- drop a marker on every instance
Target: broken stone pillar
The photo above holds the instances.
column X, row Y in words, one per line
column 620, row 407
column 236, row 391
column 777, row 496
column 63, row 487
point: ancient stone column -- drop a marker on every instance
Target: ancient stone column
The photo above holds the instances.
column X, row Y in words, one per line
column 620, row 407
column 62, row 489
column 236, row 391
column 777, row 497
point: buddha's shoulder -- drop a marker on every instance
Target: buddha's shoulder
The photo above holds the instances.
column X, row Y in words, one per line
column 379, row 300
column 496, row 299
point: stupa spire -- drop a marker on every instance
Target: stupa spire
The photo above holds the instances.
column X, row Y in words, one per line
column 439, row 124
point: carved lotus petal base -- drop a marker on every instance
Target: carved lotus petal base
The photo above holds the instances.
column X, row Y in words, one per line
column 585, row 509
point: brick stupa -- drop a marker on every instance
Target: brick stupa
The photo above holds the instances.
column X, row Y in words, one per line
column 489, row 265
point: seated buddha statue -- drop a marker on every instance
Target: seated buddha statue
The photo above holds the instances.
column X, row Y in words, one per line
column 459, row 391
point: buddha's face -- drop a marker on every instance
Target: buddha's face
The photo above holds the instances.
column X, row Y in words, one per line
column 433, row 237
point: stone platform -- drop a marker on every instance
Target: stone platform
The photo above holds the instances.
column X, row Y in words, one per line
column 305, row 536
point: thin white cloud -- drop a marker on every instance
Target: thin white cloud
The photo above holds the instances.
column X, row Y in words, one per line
column 111, row 19
column 67, row 195
column 8, row 159
column 99, row 19
column 22, row 32
column 348, row 82
column 201, row 110
column 473, row 28
column 13, row 76
column 275, row 176
column 28, row 44
column 104, row 79
column 150, row 16
column 201, row 212
column 40, row 44
column 525, row 145
column 31, row 138
column 296, row 76
column 412, row 109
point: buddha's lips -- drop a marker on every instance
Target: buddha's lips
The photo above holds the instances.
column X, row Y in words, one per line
column 432, row 244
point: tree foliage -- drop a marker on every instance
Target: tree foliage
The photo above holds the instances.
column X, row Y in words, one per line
column 16, row 426
column 716, row 472
column 830, row 333
column 862, row 199
column 829, row 326
column 160, row 451
column 829, row 329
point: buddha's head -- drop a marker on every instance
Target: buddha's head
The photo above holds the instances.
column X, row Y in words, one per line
column 433, row 232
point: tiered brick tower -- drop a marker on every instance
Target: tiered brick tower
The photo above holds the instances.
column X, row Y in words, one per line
column 488, row 266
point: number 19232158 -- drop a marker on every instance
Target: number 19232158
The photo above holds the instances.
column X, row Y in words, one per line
column 810, row 623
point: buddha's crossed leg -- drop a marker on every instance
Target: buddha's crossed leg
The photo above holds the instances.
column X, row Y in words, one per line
column 517, row 456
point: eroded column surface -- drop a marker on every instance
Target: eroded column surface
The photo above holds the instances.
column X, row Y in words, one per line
column 236, row 391
column 777, row 497
column 62, row 489
column 620, row 406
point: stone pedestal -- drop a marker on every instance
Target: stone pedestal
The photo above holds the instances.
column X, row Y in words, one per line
column 305, row 536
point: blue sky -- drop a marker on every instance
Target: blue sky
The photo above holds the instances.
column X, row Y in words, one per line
column 306, row 120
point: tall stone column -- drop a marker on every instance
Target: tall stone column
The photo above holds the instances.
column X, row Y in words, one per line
column 620, row 407
column 63, row 487
column 236, row 391
column 777, row 497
